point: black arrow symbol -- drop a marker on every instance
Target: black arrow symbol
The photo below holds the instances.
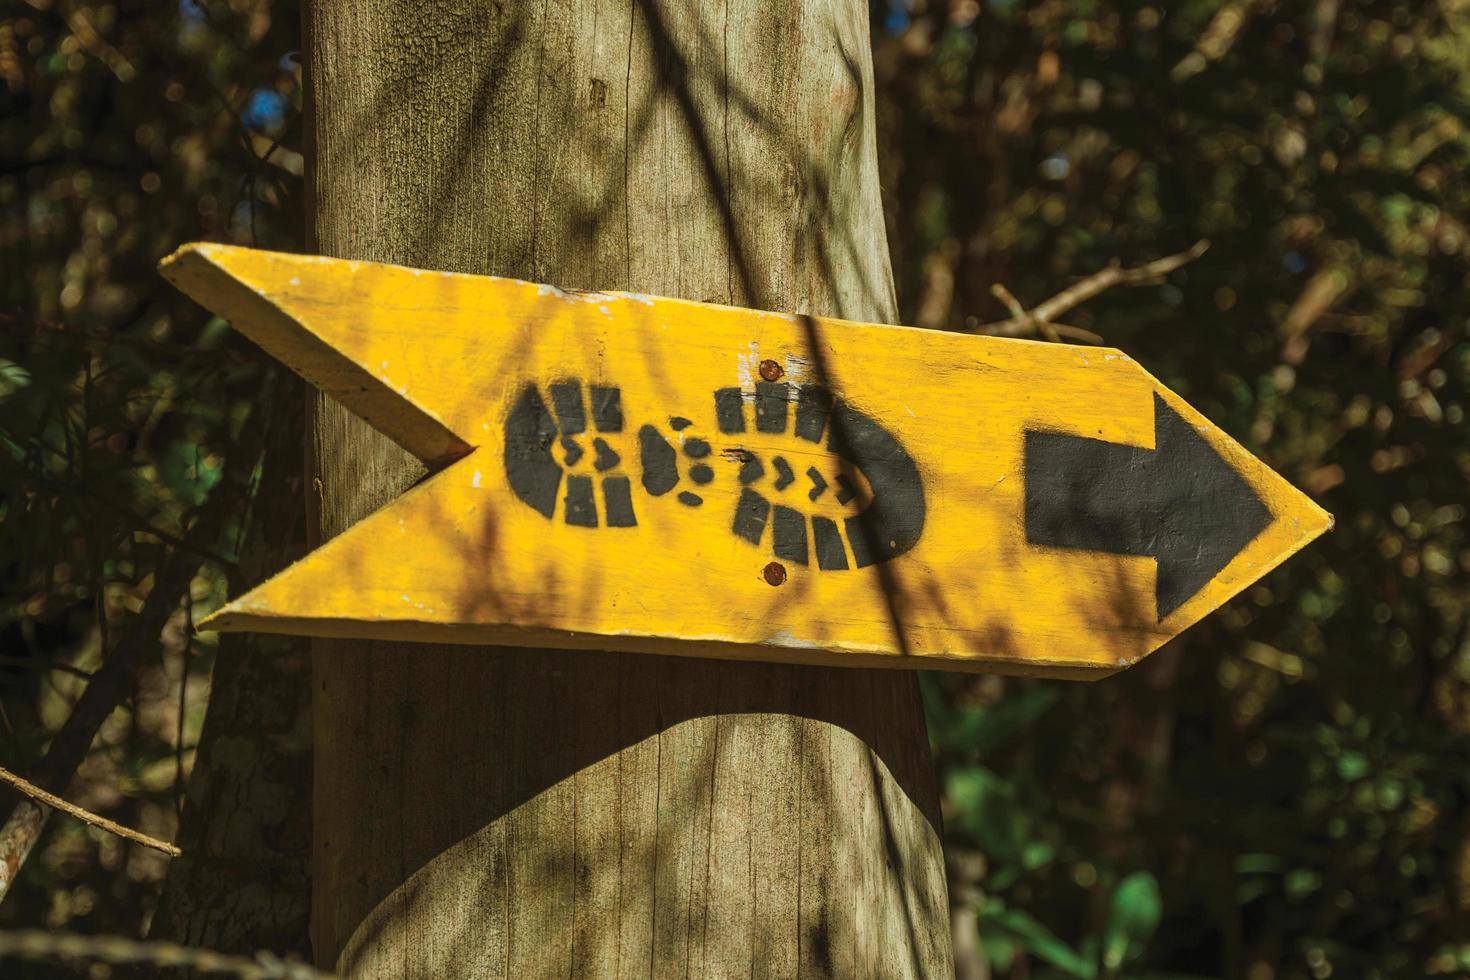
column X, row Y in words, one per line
column 819, row 485
column 1179, row 503
column 784, row 476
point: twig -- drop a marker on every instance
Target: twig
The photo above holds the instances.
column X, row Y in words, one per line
column 14, row 661
column 1223, row 30
column 48, row 944
column 86, row 816
column 1148, row 274
column 111, row 681
column 93, row 42
column 1324, row 289
column 23, row 828
column 1019, row 312
column 183, row 701
column 140, row 522
column 1053, row 332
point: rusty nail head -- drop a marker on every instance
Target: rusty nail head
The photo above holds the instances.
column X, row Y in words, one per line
column 770, row 370
column 775, row 573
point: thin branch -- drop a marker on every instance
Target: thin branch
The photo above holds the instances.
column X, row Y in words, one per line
column 183, row 701
column 140, row 523
column 14, row 661
column 1148, row 274
column 1018, row 312
column 86, row 816
column 1217, row 40
column 104, row 692
column 98, row 47
column 116, row 676
column 1053, row 332
column 119, row 951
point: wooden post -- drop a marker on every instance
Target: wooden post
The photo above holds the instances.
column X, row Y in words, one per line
column 490, row 812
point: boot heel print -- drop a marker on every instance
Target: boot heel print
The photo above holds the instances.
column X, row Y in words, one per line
column 531, row 468
column 821, row 506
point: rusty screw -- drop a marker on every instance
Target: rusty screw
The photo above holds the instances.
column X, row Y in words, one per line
column 775, row 573
column 770, row 370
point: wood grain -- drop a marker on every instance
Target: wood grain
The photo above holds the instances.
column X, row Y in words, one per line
column 534, row 813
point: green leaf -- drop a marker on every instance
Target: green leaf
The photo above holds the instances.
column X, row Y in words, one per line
column 1302, row 882
column 1037, row 854
column 214, row 333
column 13, row 378
column 987, row 809
column 1246, row 864
column 1136, row 910
column 998, row 923
column 986, row 730
column 1352, row 766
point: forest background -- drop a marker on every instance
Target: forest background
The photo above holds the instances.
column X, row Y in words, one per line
column 1281, row 793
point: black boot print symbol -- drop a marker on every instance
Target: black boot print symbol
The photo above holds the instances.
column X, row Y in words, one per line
column 530, row 461
column 858, row 451
column 888, row 526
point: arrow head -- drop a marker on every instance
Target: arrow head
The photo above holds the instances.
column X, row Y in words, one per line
column 1206, row 511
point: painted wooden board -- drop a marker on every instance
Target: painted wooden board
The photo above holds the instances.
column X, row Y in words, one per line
column 622, row 472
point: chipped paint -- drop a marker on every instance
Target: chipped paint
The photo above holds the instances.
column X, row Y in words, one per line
column 785, row 638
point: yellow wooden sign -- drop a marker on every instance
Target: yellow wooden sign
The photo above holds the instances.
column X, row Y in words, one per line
column 624, row 472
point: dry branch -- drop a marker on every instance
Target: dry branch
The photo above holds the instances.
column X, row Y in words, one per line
column 40, row 944
column 105, row 691
column 1217, row 40
column 86, row 816
column 1041, row 318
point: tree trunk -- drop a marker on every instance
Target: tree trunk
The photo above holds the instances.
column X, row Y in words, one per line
column 496, row 812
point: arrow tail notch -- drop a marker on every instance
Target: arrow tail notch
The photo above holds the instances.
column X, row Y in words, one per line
column 243, row 286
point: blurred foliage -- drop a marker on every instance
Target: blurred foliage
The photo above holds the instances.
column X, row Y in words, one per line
column 129, row 423
column 1280, row 794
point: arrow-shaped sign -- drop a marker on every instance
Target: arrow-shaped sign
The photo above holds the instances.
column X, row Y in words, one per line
column 620, row 472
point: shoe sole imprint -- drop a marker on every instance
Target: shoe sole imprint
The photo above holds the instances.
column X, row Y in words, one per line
column 533, row 472
column 890, row 525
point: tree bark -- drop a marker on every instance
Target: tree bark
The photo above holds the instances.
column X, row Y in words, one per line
column 496, row 812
